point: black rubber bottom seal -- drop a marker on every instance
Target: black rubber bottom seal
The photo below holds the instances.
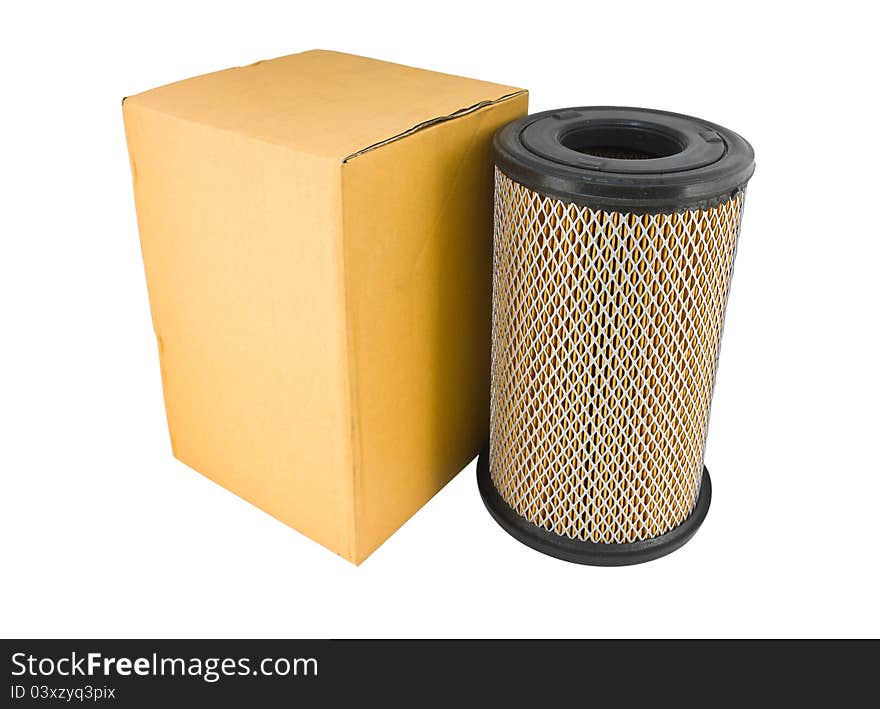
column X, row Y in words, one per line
column 590, row 553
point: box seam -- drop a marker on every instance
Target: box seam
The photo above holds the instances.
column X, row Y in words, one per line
column 434, row 121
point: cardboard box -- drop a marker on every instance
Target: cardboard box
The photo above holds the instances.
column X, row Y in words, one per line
column 316, row 234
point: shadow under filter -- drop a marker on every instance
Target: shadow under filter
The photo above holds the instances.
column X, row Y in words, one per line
column 615, row 236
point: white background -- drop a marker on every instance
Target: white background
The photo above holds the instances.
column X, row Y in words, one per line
column 105, row 534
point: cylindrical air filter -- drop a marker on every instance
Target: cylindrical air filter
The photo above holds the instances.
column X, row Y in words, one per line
column 615, row 235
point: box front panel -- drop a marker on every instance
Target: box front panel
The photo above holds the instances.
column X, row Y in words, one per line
column 240, row 246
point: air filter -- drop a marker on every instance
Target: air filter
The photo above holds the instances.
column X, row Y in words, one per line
column 615, row 236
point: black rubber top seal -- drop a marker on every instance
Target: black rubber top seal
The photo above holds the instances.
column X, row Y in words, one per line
column 590, row 553
column 625, row 159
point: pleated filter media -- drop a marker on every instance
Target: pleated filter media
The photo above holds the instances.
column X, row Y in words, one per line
column 615, row 236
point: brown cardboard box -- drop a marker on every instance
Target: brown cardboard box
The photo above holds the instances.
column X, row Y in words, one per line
column 316, row 234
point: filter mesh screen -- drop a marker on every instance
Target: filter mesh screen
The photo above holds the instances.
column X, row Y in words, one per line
column 605, row 335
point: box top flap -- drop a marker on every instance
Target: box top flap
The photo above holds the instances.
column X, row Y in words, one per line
column 321, row 102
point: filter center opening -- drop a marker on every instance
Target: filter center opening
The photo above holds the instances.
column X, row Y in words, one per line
column 622, row 142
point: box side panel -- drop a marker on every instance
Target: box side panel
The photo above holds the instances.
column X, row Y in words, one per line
column 241, row 247
column 417, row 238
